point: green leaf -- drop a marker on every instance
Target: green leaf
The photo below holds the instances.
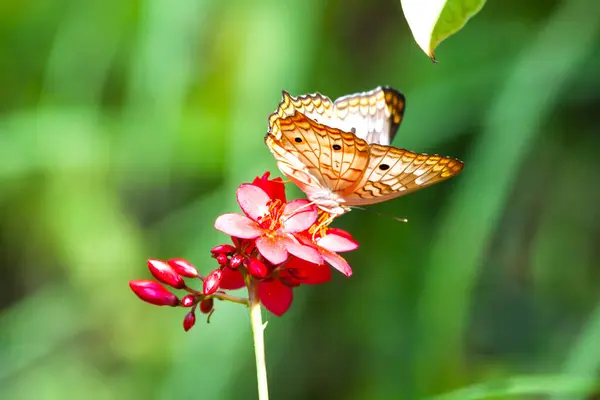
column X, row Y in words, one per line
column 432, row 21
column 524, row 386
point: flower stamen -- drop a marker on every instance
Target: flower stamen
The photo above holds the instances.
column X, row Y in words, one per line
column 319, row 229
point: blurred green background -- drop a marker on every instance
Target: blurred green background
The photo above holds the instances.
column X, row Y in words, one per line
column 125, row 127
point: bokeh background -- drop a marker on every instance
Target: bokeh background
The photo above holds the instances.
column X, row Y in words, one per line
column 125, row 127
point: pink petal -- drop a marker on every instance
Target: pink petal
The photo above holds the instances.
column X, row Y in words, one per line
column 275, row 296
column 338, row 241
column 337, row 262
column 252, row 200
column 273, row 249
column 301, row 251
column 238, row 225
column 232, row 279
column 298, row 217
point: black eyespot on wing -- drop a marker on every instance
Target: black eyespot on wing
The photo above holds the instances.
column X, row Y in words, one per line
column 383, row 167
column 298, row 140
column 353, row 130
column 337, row 147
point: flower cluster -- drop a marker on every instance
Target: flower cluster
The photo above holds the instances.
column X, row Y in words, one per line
column 276, row 245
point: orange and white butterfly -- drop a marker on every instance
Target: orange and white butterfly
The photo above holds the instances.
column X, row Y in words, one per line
column 338, row 153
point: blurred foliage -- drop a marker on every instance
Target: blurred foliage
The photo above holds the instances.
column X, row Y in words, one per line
column 126, row 126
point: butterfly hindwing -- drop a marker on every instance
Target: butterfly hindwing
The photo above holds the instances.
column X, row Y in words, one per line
column 373, row 116
column 312, row 105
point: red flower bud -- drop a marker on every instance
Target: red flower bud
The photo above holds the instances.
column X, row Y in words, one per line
column 257, row 268
column 236, row 261
column 153, row 293
column 189, row 321
column 222, row 259
column 188, row 300
column 165, row 274
column 206, row 305
column 183, row 268
column 222, row 249
column 212, row 281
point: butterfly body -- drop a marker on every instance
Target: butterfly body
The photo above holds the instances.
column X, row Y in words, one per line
column 338, row 167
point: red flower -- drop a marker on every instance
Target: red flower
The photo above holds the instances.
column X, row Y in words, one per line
column 297, row 272
column 271, row 224
column 231, row 279
column 277, row 245
column 275, row 296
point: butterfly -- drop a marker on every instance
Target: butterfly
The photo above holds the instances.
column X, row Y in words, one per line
column 338, row 153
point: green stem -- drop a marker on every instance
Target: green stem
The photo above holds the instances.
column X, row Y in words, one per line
column 259, row 339
column 227, row 297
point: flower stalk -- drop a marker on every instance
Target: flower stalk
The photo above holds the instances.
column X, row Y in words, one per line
column 259, row 339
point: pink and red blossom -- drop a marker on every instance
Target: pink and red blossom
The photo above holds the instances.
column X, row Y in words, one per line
column 271, row 224
column 277, row 245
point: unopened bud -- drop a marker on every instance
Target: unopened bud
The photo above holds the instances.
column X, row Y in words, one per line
column 236, row 261
column 206, row 305
column 189, row 320
column 257, row 268
column 183, row 268
column 222, row 259
column 165, row 274
column 188, row 300
column 153, row 293
column 222, row 249
column 212, row 282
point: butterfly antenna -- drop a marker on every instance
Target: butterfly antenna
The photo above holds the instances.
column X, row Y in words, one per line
column 381, row 214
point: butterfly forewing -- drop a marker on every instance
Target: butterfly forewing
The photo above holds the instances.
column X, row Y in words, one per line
column 373, row 116
column 310, row 151
column 393, row 172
